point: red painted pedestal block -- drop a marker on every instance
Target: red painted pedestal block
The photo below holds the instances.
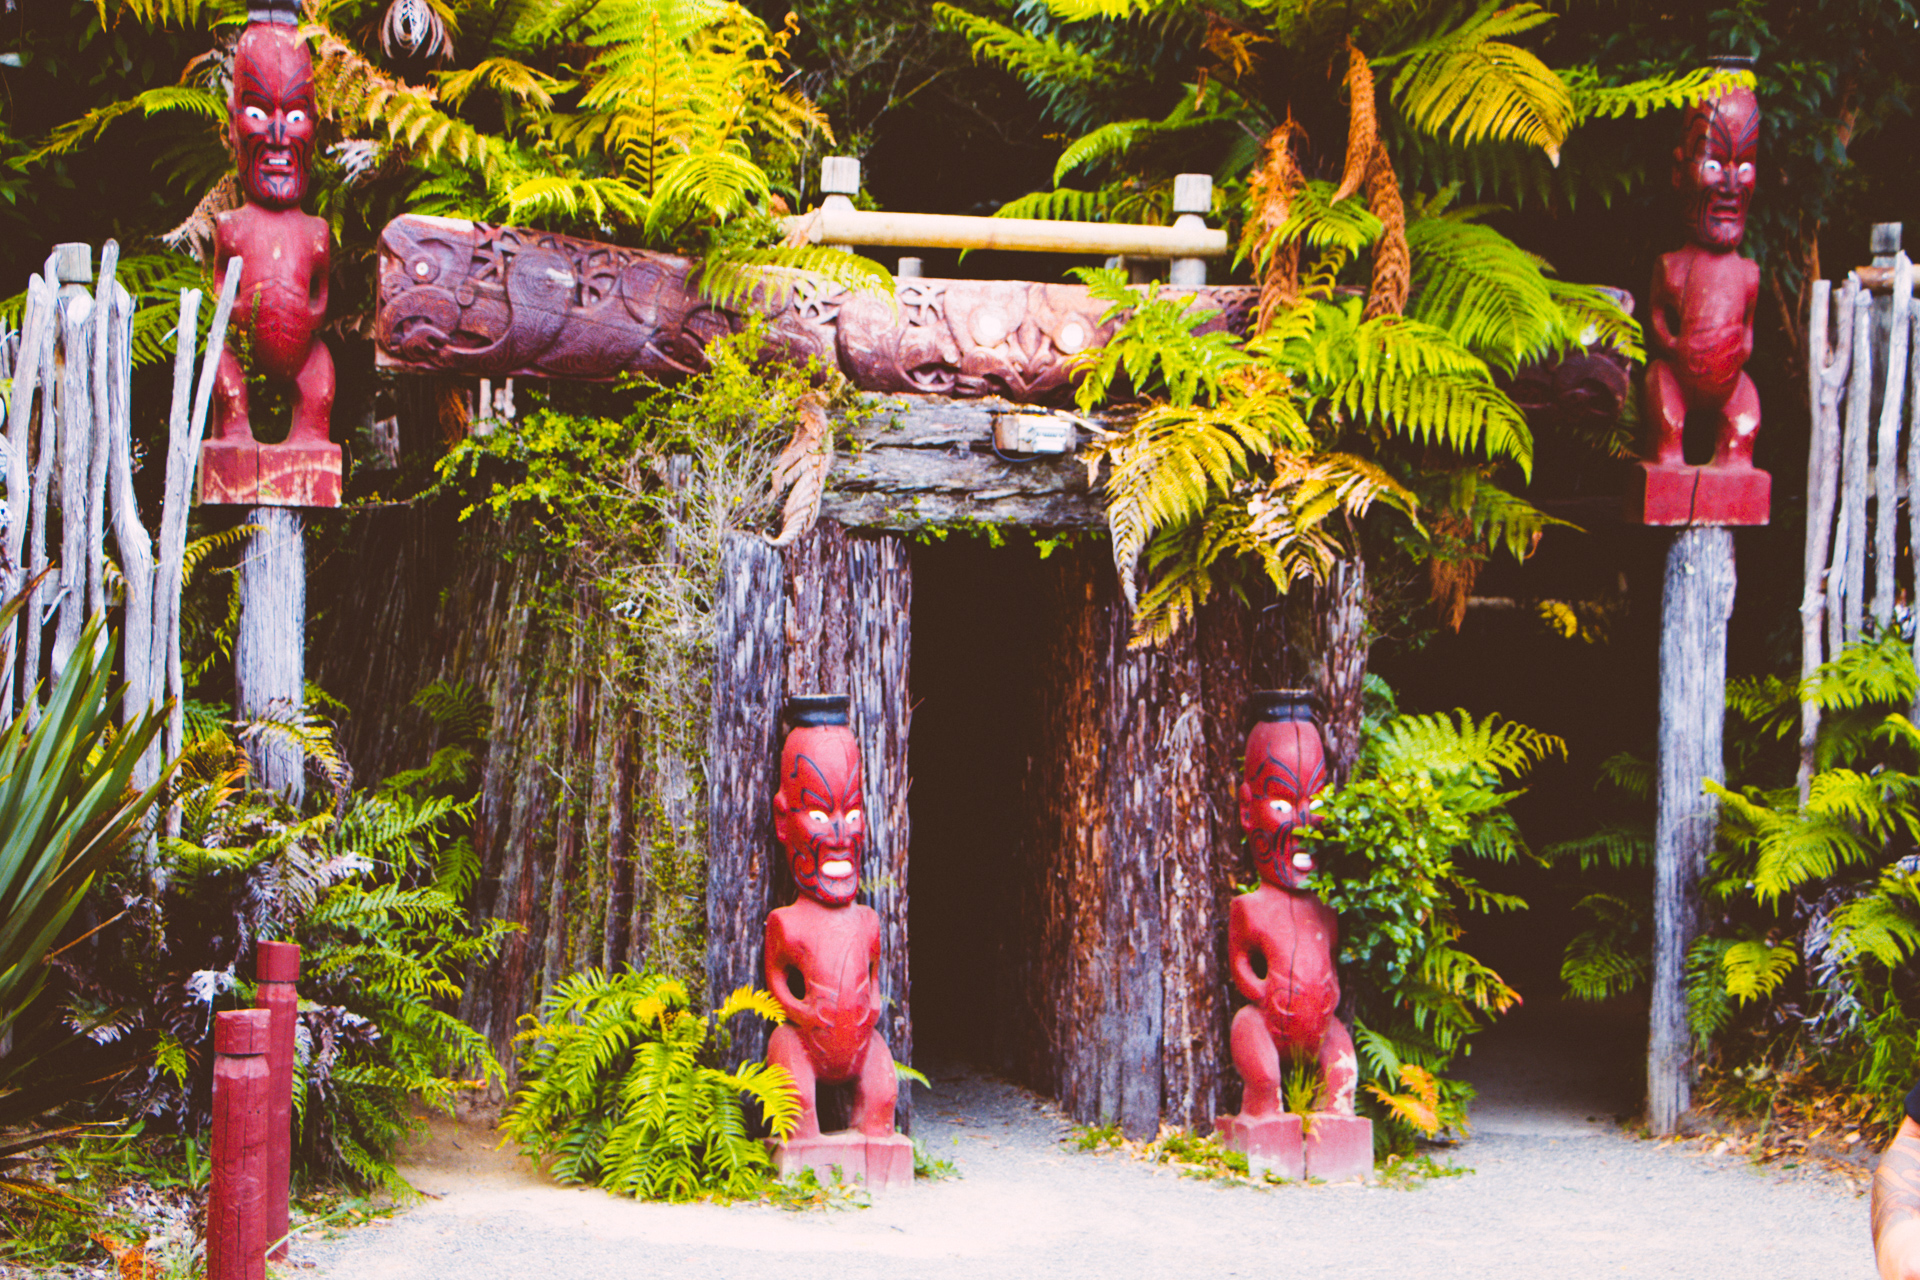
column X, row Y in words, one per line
column 884, row 1164
column 236, row 1226
column 1271, row 1145
column 278, row 968
column 1683, row 495
column 249, row 473
column 1338, row 1147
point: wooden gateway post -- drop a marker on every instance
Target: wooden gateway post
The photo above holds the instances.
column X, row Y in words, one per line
column 1701, row 327
column 283, row 300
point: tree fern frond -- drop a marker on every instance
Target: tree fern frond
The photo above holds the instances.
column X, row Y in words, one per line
column 1471, row 86
column 1754, row 970
column 1593, row 99
column 508, row 77
column 1048, row 65
column 1061, row 205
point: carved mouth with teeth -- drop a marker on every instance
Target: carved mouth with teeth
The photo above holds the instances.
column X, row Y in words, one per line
column 836, row 869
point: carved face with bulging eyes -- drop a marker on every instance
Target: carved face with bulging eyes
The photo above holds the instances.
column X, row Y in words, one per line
column 1285, row 771
column 818, row 814
column 273, row 114
column 1713, row 168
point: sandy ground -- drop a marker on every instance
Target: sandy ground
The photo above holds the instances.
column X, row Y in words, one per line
column 1557, row 1188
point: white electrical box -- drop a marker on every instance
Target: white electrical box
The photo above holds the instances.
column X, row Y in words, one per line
column 1033, row 433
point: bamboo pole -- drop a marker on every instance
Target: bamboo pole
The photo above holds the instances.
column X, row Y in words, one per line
column 832, row 226
column 1887, row 448
column 1827, row 368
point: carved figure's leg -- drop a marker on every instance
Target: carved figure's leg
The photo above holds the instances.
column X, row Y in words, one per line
column 230, row 400
column 1666, row 415
column 787, row 1049
column 1339, row 1070
column 1739, row 424
column 875, row 1090
column 1258, row 1061
column 313, row 397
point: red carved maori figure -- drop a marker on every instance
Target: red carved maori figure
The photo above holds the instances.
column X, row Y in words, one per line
column 1281, row 942
column 823, row 956
column 1700, row 321
column 283, row 282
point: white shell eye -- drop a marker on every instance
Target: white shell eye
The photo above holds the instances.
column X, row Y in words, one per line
column 816, row 815
column 1711, row 168
column 1746, row 172
column 1282, row 806
column 1315, row 803
column 296, row 116
column 854, row 815
column 255, row 114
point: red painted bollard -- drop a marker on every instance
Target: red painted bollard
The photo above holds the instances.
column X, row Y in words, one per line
column 278, row 968
column 236, row 1227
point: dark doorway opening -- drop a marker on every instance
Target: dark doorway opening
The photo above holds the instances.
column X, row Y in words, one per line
column 978, row 629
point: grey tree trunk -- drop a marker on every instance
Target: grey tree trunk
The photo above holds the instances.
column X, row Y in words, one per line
column 1695, row 606
column 269, row 658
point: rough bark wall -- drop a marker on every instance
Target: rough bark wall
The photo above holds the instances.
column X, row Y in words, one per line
column 849, row 608
column 572, row 777
column 1129, row 861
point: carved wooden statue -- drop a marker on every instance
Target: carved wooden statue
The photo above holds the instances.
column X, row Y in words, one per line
column 1281, row 943
column 1700, row 322
column 823, row 956
column 283, row 282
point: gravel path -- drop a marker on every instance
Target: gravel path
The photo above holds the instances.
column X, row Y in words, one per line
column 1552, row 1193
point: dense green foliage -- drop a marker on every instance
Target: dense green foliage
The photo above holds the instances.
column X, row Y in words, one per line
column 371, row 887
column 619, row 1089
column 1428, row 794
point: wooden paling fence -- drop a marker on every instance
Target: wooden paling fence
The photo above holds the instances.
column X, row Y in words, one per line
column 69, row 474
column 1863, row 369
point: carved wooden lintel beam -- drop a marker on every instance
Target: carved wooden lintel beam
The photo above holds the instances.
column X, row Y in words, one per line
column 490, row 301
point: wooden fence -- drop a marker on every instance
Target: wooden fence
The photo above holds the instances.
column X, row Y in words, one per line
column 1862, row 369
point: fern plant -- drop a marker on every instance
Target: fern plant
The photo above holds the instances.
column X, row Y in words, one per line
column 1427, row 794
column 618, row 1087
column 1383, row 318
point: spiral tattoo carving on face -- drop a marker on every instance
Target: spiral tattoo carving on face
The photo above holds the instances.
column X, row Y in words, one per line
column 1714, row 168
column 819, row 816
column 1285, row 769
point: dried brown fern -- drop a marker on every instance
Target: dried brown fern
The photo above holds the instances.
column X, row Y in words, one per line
column 454, row 410
column 1270, row 194
column 1392, row 264
column 1454, row 567
column 1363, row 129
column 804, row 465
column 196, row 230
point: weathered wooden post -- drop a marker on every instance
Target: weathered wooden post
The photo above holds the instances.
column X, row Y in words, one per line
column 1697, row 370
column 277, row 969
column 236, row 1221
column 283, row 302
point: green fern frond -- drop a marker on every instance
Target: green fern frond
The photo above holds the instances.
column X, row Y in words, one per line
column 1609, row 957
column 1045, row 63
column 1061, row 205
column 730, row 275
column 1709, row 1007
column 166, row 99
column 1593, row 99
column 1754, row 970
column 508, row 77
column 1440, row 744
column 1488, row 294
column 1471, row 86
column 1613, row 846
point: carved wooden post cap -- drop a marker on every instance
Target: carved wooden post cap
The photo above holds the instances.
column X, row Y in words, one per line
column 73, row 263
column 241, row 1033
column 840, row 176
column 910, row 269
column 1193, row 193
column 278, row 962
